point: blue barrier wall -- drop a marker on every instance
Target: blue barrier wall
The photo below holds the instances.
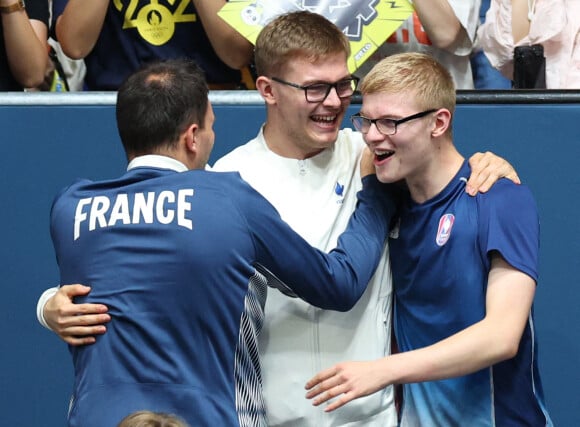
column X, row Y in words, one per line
column 47, row 142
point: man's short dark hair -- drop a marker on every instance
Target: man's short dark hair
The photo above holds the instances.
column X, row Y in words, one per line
column 158, row 102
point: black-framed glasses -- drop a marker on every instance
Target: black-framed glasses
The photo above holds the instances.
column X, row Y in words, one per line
column 384, row 126
column 317, row 92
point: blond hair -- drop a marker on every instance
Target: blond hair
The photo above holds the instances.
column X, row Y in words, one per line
column 297, row 34
column 419, row 73
column 152, row 419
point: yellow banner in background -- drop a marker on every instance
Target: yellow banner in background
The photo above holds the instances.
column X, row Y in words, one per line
column 366, row 23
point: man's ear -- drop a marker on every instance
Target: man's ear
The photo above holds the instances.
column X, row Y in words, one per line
column 190, row 138
column 442, row 122
column 264, row 86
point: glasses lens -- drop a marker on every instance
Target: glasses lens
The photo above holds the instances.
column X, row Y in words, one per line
column 345, row 88
column 317, row 92
column 386, row 126
column 359, row 123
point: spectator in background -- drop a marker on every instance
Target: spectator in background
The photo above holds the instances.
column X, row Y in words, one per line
column 445, row 29
column 484, row 75
column 555, row 24
column 23, row 34
column 116, row 37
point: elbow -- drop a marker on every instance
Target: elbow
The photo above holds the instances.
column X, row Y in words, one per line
column 237, row 62
column 238, row 58
column 506, row 349
column 453, row 41
column 72, row 46
column 343, row 308
column 340, row 302
column 347, row 302
column 74, row 52
column 32, row 80
column 449, row 44
column 33, row 77
column 510, row 350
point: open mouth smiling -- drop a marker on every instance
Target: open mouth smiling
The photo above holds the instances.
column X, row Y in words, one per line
column 383, row 154
column 324, row 119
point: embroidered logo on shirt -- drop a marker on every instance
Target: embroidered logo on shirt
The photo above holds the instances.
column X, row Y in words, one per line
column 339, row 191
column 444, row 230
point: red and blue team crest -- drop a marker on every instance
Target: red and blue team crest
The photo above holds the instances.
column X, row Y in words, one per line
column 444, row 230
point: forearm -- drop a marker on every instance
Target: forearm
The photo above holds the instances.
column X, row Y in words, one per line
column 230, row 46
column 466, row 352
column 80, row 25
column 520, row 21
column 440, row 23
column 26, row 47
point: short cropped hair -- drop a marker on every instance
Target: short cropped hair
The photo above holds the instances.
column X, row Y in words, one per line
column 414, row 72
column 297, row 34
column 158, row 102
column 152, row 419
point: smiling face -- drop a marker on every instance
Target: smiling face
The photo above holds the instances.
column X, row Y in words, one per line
column 297, row 128
column 409, row 152
column 418, row 91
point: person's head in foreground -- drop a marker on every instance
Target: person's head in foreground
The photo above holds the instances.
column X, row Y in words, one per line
column 164, row 109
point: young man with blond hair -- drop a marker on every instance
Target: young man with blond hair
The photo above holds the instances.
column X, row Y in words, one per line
column 464, row 268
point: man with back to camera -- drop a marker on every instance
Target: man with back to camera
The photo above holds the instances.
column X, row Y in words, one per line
column 182, row 257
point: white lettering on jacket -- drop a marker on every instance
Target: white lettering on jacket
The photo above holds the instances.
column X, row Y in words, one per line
column 101, row 211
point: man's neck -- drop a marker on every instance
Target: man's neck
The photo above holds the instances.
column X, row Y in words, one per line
column 432, row 179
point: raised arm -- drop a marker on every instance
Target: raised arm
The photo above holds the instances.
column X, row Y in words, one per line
column 495, row 338
column 520, row 19
column 442, row 25
column 231, row 47
column 79, row 26
column 76, row 324
column 26, row 46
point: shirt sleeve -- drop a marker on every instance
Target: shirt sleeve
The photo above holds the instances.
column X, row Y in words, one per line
column 467, row 12
column 331, row 281
column 46, row 295
column 510, row 225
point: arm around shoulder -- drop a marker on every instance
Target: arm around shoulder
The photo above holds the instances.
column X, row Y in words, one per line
column 333, row 281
